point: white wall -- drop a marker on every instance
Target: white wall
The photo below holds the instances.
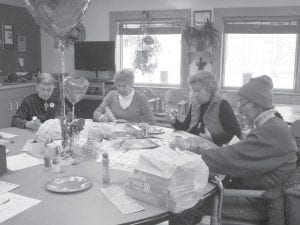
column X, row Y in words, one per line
column 96, row 21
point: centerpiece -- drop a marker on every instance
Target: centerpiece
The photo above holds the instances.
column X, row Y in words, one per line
column 58, row 18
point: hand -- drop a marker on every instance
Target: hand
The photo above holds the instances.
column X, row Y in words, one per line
column 105, row 118
column 171, row 116
column 109, row 114
column 33, row 124
column 206, row 134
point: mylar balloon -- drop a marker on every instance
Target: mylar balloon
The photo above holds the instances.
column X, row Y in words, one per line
column 75, row 88
column 57, row 17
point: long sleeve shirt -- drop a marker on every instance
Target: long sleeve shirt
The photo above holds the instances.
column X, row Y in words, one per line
column 32, row 106
column 138, row 111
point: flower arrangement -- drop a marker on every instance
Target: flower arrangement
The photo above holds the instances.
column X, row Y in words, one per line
column 70, row 129
column 201, row 38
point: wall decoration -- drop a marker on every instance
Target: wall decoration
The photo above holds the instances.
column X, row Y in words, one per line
column 201, row 17
column 21, row 43
column 8, row 36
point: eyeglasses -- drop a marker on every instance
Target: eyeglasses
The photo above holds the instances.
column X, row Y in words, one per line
column 243, row 103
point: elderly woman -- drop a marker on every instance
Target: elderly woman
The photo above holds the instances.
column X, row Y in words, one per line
column 40, row 106
column 209, row 115
column 124, row 103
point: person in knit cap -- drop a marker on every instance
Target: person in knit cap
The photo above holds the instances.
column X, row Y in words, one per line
column 262, row 161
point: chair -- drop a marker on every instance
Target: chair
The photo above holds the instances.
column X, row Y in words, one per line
column 281, row 211
column 225, row 192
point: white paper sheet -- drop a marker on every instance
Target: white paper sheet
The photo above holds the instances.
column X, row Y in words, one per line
column 124, row 161
column 15, row 205
column 234, row 140
column 118, row 198
column 3, row 141
column 7, row 135
column 21, row 161
column 6, row 187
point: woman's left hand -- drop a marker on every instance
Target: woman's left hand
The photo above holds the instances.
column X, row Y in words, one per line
column 206, row 134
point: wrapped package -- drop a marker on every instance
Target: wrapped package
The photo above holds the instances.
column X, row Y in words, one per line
column 169, row 179
column 49, row 130
column 102, row 131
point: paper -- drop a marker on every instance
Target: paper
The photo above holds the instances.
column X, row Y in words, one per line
column 6, row 187
column 234, row 140
column 15, row 205
column 7, row 135
column 124, row 203
column 21, row 161
column 124, row 161
column 3, row 141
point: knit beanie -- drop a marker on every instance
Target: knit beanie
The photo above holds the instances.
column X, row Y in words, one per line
column 259, row 91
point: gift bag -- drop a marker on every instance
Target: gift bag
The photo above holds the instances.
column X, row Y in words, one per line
column 172, row 180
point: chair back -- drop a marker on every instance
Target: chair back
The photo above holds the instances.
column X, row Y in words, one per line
column 173, row 97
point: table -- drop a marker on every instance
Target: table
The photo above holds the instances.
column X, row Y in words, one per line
column 290, row 113
column 90, row 207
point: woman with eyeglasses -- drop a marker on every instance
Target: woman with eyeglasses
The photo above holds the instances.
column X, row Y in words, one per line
column 40, row 106
column 209, row 115
column 125, row 103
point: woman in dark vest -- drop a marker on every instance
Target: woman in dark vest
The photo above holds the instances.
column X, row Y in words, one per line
column 209, row 115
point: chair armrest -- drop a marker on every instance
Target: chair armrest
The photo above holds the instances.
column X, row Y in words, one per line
column 243, row 193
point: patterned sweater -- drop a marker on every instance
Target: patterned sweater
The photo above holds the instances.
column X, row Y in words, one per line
column 32, row 106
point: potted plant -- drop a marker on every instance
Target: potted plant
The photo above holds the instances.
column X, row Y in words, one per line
column 201, row 38
column 146, row 54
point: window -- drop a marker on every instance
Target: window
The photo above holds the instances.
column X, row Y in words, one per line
column 153, row 50
column 257, row 46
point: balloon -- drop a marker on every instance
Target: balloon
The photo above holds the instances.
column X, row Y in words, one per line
column 57, row 17
column 75, row 88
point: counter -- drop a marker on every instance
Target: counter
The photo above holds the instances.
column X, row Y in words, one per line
column 20, row 85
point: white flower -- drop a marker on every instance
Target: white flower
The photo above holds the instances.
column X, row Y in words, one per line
column 52, row 105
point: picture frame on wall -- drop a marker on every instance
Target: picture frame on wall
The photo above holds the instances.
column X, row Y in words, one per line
column 200, row 17
column 21, row 43
column 8, row 36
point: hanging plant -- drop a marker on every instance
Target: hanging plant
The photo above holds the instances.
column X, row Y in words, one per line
column 201, row 38
column 146, row 54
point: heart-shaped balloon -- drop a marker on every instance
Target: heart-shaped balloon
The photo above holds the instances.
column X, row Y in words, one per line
column 57, row 17
column 75, row 88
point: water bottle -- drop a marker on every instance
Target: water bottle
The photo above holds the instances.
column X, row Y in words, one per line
column 47, row 160
column 105, row 174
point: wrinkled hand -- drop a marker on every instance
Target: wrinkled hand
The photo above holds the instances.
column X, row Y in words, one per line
column 178, row 143
column 33, row 124
column 206, row 134
column 171, row 117
column 106, row 118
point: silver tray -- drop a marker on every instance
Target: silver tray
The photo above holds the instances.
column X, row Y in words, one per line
column 68, row 184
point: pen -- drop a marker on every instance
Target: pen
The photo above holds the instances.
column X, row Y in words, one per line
column 4, row 201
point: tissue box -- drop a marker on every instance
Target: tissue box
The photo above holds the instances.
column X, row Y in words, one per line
column 3, row 165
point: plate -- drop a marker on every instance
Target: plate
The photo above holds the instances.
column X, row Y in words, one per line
column 68, row 184
column 133, row 144
column 155, row 130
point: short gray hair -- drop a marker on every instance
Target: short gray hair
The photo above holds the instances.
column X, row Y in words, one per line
column 45, row 78
column 124, row 75
column 206, row 78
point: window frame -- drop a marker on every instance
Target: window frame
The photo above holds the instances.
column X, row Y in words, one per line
column 219, row 51
column 177, row 14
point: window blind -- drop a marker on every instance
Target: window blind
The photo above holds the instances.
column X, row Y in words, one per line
column 264, row 24
column 149, row 27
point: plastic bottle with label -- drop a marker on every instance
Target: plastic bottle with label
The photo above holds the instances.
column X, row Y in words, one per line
column 105, row 174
